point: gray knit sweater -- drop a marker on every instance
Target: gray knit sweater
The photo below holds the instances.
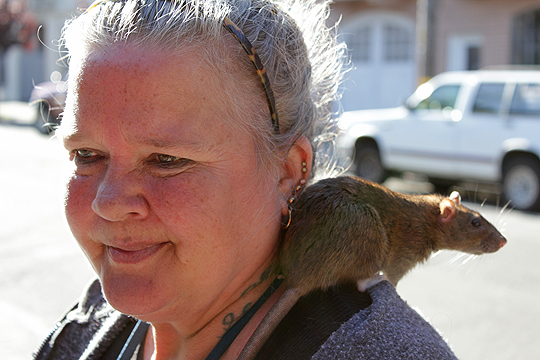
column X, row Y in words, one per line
column 387, row 329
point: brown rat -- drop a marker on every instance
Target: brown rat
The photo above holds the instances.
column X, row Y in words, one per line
column 349, row 229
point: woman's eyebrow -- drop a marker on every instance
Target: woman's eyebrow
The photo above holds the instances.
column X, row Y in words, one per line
column 170, row 141
column 75, row 137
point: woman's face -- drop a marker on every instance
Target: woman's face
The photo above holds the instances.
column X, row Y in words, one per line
column 166, row 199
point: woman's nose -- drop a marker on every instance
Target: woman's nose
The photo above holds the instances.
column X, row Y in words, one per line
column 119, row 198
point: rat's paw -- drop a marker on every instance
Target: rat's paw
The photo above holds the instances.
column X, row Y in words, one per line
column 365, row 284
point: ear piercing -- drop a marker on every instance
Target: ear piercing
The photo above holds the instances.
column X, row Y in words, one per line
column 302, row 183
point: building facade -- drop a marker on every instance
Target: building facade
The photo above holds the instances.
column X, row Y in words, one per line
column 24, row 68
column 473, row 34
column 397, row 44
column 381, row 38
column 393, row 44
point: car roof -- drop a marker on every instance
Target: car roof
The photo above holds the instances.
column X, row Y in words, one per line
column 489, row 75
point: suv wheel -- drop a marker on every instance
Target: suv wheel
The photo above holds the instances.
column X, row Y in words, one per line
column 43, row 118
column 441, row 186
column 368, row 163
column 521, row 183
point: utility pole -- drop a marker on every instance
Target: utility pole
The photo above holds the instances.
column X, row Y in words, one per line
column 425, row 37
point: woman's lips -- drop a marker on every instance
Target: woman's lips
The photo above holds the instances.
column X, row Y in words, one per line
column 123, row 256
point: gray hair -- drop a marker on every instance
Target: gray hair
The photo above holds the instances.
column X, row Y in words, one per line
column 303, row 60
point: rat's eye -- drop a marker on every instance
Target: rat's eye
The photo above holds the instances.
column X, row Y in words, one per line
column 475, row 223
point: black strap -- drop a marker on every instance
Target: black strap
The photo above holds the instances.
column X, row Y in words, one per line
column 233, row 332
column 135, row 338
column 139, row 330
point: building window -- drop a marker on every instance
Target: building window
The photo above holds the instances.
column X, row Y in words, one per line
column 526, row 39
column 473, row 58
column 397, row 44
column 359, row 44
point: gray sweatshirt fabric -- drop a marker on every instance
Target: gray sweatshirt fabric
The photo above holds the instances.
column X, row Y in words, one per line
column 387, row 329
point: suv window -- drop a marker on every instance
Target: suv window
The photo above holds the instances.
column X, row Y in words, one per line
column 441, row 98
column 526, row 99
column 488, row 98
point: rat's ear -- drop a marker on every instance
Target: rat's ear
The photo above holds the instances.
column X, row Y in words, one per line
column 448, row 210
column 291, row 170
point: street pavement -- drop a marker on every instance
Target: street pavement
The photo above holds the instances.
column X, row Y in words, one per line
column 42, row 270
column 487, row 307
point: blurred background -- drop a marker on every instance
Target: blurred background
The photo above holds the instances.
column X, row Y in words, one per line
column 486, row 307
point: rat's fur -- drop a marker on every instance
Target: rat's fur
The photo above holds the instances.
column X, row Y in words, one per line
column 348, row 229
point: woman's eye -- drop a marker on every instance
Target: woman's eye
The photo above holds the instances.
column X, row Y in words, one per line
column 170, row 161
column 166, row 159
column 83, row 156
column 84, row 153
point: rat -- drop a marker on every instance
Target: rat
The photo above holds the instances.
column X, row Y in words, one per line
column 348, row 229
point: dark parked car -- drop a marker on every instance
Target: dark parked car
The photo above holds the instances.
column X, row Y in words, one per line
column 49, row 98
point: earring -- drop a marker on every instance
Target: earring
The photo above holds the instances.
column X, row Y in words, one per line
column 286, row 222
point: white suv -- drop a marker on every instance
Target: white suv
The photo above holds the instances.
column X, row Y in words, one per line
column 481, row 126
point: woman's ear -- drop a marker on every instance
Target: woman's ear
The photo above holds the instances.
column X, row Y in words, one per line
column 295, row 168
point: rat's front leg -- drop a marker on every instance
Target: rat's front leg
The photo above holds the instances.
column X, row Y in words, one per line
column 365, row 284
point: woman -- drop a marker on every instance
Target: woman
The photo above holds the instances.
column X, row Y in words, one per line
column 191, row 127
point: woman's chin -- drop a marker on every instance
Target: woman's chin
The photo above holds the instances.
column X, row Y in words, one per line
column 132, row 294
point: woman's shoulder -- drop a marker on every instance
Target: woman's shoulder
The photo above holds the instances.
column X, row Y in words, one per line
column 86, row 330
column 388, row 329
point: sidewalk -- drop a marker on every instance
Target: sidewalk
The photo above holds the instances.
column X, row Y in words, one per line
column 17, row 112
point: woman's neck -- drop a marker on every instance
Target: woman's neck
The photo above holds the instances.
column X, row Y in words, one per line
column 166, row 341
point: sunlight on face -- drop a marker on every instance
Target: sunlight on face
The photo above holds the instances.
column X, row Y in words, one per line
column 166, row 198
